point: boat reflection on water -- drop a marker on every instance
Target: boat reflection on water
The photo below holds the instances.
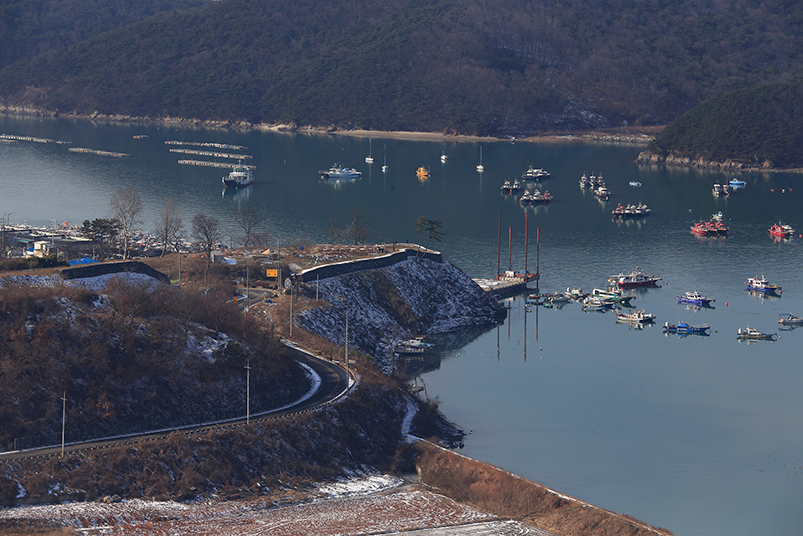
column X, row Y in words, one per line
column 338, row 184
column 694, row 308
column 237, row 193
column 761, row 296
column 686, row 334
column 709, row 239
column 409, row 366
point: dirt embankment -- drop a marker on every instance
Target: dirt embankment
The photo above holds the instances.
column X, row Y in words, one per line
column 498, row 492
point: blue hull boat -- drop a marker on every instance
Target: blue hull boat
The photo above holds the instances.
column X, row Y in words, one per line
column 695, row 298
column 683, row 327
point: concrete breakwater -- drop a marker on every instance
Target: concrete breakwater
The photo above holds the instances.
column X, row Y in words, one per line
column 371, row 263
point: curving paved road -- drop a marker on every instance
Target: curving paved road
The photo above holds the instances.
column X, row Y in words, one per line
column 334, row 384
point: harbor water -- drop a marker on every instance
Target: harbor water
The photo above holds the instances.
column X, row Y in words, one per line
column 701, row 435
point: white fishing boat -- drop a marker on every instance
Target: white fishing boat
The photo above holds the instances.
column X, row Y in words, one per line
column 415, row 346
column 535, row 174
column 594, row 303
column 239, row 177
column 753, row 333
column 636, row 278
column 575, row 293
column 444, row 156
column 636, row 316
column 762, row 284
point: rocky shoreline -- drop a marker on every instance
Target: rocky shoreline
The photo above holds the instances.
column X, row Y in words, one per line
column 624, row 135
column 649, row 158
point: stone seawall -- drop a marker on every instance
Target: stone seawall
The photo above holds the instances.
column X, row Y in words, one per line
column 358, row 265
column 105, row 268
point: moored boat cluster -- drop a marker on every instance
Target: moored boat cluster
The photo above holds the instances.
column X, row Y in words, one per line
column 613, row 298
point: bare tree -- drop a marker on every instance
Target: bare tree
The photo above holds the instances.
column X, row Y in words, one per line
column 248, row 219
column 334, row 231
column 169, row 224
column 261, row 239
column 359, row 230
column 206, row 230
column 126, row 205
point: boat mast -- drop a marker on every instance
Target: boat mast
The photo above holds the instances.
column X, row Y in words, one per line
column 499, row 246
column 537, row 269
column 526, row 243
column 510, row 248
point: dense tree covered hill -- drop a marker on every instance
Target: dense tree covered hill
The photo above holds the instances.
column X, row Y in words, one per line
column 31, row 27
column 761, row 126
column 490, row 66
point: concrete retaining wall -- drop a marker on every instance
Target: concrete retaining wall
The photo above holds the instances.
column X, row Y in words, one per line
column 105, row 268
column 358, row 265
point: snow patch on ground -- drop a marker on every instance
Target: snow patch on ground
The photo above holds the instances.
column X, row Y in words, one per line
column 366, row 485
column 408, row 419
column 410, row 298
column 399, row 510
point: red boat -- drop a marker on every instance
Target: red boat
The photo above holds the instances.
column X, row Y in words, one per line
column 781, row 230
column 709, row 228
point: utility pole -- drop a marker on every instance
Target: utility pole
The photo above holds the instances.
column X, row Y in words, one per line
column 63, row 420
column 247, row 289
column 248, row 392
column 347, row 339
column 291, row 311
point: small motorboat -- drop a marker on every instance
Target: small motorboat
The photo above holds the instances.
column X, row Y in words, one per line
column 717, row 216
column 695, row 298
column 585, row 182
column 422, row 173
column 683, row 327
column 576, row 294
column 761, row 284
column 415, row 346
column 556, row 298
column 635, row 278
column 635, row 184
column 613, row 295
column 752, row 333
column 535, row 174
column 339, row 172
column 593, row 303
column 601, row 192
column 789, row 319
column 636, row 316
column 736, row 183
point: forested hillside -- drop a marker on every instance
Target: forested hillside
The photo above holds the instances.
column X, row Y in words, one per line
column 31, row 27
column 486, row 67
column 760, row 126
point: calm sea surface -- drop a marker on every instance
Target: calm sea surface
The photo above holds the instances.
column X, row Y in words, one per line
column 700, row 435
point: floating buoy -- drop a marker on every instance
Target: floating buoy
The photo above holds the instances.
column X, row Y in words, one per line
column 726, row 304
